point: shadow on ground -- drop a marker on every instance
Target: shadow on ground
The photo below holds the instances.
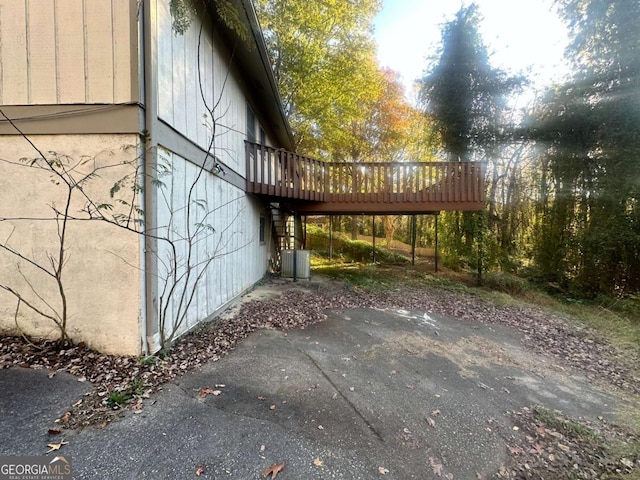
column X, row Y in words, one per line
column 363, row 394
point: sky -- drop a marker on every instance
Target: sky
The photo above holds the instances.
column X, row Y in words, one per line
column 520, row 35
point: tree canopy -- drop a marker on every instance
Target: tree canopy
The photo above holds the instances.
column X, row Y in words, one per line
column 588, row 228
column 324, row 62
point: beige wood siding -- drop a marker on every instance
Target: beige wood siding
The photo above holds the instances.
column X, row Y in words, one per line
column 68, row 51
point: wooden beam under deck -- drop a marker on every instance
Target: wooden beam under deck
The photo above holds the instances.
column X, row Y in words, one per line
column 376, row 208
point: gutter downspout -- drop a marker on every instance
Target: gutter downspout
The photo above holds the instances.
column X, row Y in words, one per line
column 148, row 122
column 141, row 198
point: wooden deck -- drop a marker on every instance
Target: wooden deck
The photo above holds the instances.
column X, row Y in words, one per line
column 312, row 186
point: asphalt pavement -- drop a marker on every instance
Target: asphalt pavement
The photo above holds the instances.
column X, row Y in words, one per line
column 365, row 394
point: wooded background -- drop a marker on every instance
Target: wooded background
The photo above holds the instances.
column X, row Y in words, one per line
column 563, row 177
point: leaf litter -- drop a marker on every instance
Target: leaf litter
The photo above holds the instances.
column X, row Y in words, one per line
column 296, row 308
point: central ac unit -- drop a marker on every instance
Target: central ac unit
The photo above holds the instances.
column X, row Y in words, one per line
column 303, row 263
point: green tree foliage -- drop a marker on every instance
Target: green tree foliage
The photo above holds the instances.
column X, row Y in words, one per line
column 466, row 99
column 324, row 62
column 588, row 223
column 183, row 11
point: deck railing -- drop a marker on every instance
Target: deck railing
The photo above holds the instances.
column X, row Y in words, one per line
column 288, row 175
column 279, row 173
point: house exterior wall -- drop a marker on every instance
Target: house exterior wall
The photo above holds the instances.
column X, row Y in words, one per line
column 225, row 246
column 68, row 51
column 183, row 81
column 101, row 281
column 83, row 78
column 231, row 251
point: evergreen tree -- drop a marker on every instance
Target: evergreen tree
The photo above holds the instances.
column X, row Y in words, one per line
column 466, row 99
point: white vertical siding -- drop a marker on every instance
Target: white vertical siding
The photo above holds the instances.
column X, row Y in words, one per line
column 67, row 51
column 238, row 258
column 180, row 102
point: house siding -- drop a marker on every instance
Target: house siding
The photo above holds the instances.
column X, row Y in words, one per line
column 189, row 83
column 60, row 58
column 237, row 259
column 68, row 51
column 183, row 82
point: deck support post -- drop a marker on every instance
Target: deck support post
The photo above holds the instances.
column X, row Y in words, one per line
column 304, row 234
column 413, row 239
column 330, row 237
column 480, row 251
column 436, row 252
column 295, row 247
column 373, row 234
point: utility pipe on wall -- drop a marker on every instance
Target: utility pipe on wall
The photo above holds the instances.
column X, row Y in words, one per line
column 149, row 121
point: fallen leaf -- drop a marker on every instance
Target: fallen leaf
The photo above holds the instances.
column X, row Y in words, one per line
column 515, row 450
column 478, row 476
column 431, row 422
column 435, row 413
column 56, row 446
column 436, row 467
column 383, row 471
column 203, row 392
column 65, row 417
column 261, row 398
column 272, row 407
column 626, row 462
column 449, row 476
column 199, row 471
column 537, row 449
column 54, row 431
column 317, row 462
column 273, row 470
